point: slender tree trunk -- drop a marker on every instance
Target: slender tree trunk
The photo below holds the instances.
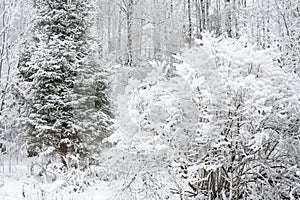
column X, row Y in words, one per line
column 3, row 38
column 268, row 24
column 235, row 16
column 109, row 46
column 218, row 26
column 169, row 27
column 190, row 24
column 228, row 20
column 198, row 19
column 157, row 39
column 119, row 40
column 167, row 19
column 129, row 15
column 202, row 14
column 207, row 15
column 157, row 32
column 2, row 53
column 139, row 39
column 7, row 81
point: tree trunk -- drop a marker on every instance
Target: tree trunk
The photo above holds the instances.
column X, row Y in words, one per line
column 119, row 40
column 235, row 16
column 109, row 46
column 2, row 53
column 190, row 24
column 203, row 14
column 3, row 37
column 218, row 26
column 198, row 19
column 207, row 15
column 228, row 19
column 129, row 14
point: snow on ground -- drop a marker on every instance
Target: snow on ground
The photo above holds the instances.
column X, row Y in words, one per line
column 13, row 189
column 10, row 189
column 18, row 183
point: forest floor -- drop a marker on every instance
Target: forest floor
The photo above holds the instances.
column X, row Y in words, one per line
column 18, row 182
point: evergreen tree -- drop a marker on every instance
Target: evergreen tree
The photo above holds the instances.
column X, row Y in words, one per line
column 54, row 64
column 93, row 113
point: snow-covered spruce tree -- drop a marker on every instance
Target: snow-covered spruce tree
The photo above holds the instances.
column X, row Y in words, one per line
column 54, row 66
column 93, row 112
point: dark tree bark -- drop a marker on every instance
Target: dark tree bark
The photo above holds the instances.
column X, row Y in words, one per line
column 228, row 20
column 190, row 24
column 129, row 17
column 198, row 19
column 207, row 15
column 202, row 14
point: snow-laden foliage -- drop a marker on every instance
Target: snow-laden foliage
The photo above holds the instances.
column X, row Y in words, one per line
column 274, row 24
column 216, row 120
column 253, row 134
column 13, row 27
column 233, row 133
column 66, row 108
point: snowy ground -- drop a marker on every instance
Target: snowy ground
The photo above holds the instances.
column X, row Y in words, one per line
column 14, row 189
column 16, row 183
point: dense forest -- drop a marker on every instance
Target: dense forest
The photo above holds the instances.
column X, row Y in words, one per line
column 150, row 99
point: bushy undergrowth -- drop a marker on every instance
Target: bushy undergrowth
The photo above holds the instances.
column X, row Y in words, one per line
column 245, row 143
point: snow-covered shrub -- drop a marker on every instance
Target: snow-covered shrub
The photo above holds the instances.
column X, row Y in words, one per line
column 252, row 143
